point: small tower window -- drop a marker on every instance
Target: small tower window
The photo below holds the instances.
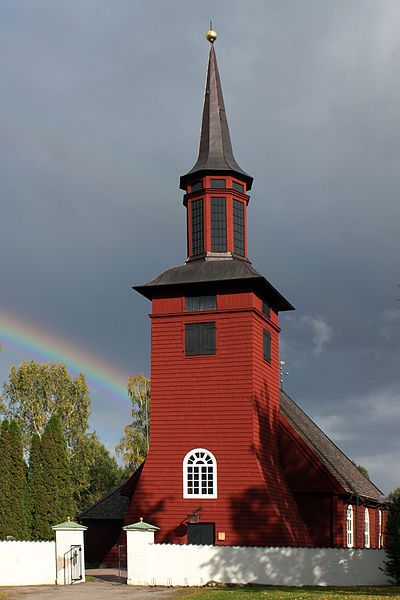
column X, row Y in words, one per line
column 196, row 186
column 218, row 183
column 197, row 227
column 266, row 309
column 200, row 339
column 238, row 227
column 199, row 474
column 267, row 345
column 194, row 303
column 367, row 542
column 238, row 187
column 380, row 537
column 218, row 224
column 349, row 527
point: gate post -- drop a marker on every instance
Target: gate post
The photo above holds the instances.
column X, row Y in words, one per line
column 70, row 553
column 139, row 536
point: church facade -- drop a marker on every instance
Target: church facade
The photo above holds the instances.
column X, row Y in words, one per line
column 232, row 460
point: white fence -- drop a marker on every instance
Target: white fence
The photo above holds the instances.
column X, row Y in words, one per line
column 45, row 563
column 170, row 564
column 196, row 565
column 27, row 563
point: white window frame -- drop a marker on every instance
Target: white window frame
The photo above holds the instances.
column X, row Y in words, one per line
column 185, row 474
column 367, row 536
column 350, row 527
column 380, row 539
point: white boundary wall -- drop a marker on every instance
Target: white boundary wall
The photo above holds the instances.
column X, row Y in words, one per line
column 27, row 563
column 170, row 564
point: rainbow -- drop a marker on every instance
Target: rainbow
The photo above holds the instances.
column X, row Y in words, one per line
column 23, row 335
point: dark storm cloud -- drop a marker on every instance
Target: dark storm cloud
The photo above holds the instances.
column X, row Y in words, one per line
column 100, row 114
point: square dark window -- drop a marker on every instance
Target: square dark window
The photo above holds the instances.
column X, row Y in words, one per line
column 218, row 183
column 193, row 303
column 267, row 345
column 238, row 186
column 266, row 309
column 200, row 339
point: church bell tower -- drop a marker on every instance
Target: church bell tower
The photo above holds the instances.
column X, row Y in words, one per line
column 213, row 474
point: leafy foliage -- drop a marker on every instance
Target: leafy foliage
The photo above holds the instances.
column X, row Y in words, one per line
column 392, row 537
column 134, row 445
column 14, row 510
column 54, row 503
column 36, row 391
column 363, row 470
column 93, row 465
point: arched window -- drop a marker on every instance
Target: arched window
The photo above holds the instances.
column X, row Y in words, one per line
column 380, row 536
column 199, row 474
column 349, row 527
column 366, row 529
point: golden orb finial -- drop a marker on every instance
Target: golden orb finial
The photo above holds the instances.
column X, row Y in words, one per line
column 211, row 35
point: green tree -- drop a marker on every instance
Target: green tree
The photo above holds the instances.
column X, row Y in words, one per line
column 103, row 473
column 392, row 537
column 363, row 470
column 6, row 507
column 35, row 487
column 134, row 444
column 18, row 485
column 36, row 391
column 55, row 503
column 13, row 499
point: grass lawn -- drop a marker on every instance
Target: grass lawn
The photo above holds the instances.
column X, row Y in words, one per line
column 289, row 593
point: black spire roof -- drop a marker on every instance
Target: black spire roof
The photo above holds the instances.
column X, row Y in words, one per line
column 215, row 151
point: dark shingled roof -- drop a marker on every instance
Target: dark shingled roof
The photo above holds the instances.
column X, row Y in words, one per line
column 211, row 272
column 113, row 506
column 337, row 463
column 215, row 151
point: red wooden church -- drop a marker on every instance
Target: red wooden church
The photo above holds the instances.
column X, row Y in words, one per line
column 232, row 460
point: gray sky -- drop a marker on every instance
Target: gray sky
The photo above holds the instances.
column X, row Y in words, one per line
column 100, row 108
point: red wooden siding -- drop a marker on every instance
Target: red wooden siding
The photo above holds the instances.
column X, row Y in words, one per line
column 227, row 403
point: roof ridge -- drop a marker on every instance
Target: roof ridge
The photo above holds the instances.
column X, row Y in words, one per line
column 116, row 488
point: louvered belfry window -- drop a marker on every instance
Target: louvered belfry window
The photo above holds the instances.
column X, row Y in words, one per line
column 218, row 224
column 199, row 474
column 200, row 339
column 196, row 303
column 267, row 345
column 238, row 227
column 197, row 227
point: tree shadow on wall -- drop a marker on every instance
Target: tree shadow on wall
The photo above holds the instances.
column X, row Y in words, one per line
column 284, row 565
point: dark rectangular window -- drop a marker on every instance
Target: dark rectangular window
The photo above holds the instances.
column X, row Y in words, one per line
column 266, row 309
column 238, row 227
column 238, row 186
column 201, row 534
column 267, row 345
column 197, row 227
column 200, row 303
column 196, row 186
column 200, row 338
column 218, row 224
column 218, row 183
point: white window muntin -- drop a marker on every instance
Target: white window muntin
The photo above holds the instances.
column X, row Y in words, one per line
column 199, row 474
column 349, row 527
column 367, row 542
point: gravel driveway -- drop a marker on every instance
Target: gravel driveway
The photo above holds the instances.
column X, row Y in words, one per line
column 103, row 587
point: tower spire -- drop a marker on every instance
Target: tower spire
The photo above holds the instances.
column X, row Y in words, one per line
column 215, row 150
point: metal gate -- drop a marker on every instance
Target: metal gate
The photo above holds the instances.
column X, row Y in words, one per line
column 122, row 560
column 73, row 564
